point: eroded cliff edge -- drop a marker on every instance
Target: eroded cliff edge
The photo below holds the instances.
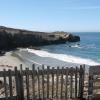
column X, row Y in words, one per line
column 13, row 38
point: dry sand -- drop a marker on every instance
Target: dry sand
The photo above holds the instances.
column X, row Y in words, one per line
column 8, row 61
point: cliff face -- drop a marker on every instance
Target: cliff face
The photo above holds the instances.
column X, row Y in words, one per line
column 12, row 38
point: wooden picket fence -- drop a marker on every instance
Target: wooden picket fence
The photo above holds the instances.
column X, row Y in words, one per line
column 94, row 83
column 61, row 83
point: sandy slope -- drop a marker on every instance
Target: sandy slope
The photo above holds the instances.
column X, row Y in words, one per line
column 8, row 61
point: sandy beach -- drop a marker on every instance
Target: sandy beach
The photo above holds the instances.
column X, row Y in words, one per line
column 9, row 61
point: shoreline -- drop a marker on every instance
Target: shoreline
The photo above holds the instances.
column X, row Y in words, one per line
column 27, row 59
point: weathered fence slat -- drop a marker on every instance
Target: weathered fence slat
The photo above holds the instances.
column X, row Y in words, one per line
column 27, row 83
column 48, row 69
column 33, row 80
column 43, row 82
column 76, row 82
column 81, row 83
column 90, row 88
column 71, row 84
column 52, row 82
column 21, row 83
column 38, row 82
column 61, row 83
column 66, row 85
column 10, row 83
column 57, row 81
column 83, row 75
column 17, row 84
column 5, row 84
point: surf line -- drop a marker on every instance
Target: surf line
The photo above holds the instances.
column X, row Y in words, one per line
column 63, row 57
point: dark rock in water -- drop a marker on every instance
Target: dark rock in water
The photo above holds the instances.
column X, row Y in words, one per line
column 12, row 38
column 72, row 38
column 78, row 44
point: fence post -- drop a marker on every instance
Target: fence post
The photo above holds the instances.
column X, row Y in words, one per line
column 33, row 80
column 52, row 82
column 43, row 82
column 48, row 69
column 27, row 83
column 90, row 86
column 71, row 82
column 5, row 84
column 76, row 72
column 38, row 74
column 81, row 87
column 62, row 71
column 17, row 84
column 21, row 83
column 57, row 81
column 66, row 84
column 10, row 83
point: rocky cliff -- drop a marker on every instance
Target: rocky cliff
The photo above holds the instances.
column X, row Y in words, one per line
column 12, row 38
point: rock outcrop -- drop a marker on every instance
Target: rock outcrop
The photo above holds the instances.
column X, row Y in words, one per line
column 72, row 38
column 13, row 38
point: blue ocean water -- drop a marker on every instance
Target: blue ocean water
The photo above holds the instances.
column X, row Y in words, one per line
column 87, row 51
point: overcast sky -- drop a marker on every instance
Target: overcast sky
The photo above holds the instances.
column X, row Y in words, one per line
column 51, row 15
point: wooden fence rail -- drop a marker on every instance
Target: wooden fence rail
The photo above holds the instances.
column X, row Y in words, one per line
column 43, row 83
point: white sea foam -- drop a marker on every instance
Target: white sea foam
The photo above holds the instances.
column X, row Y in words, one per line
column 64, row 57
column 89, row 46
column 76, row 46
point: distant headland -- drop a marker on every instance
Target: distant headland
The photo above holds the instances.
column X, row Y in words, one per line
column 11, row 38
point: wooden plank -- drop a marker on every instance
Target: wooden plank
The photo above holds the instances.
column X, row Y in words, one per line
column 83, row 76
column 52, row 82
column 5, row 84
column 27, row 83
column 33, row 80
column 96, row 87
column 6, row 73
column 61, row 83
column 57, row 82
column 21, row 83
column 71, row 84
column 95, row 70
column 82, row 79
column 90, row 86
column 66, row 85
column 30, row 72
column 96, row 80
column 48, row 68
column 38, row 83
column 43, row 97
column 10, row 83
column 76, row 72
column 17, row 84
column 81, row 83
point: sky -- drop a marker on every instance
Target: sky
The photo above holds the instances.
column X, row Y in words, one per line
column 51, row 15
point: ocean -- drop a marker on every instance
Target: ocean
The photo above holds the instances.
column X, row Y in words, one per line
column 87, row 52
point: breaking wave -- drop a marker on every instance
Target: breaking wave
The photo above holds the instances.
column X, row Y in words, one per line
column 64, row 57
